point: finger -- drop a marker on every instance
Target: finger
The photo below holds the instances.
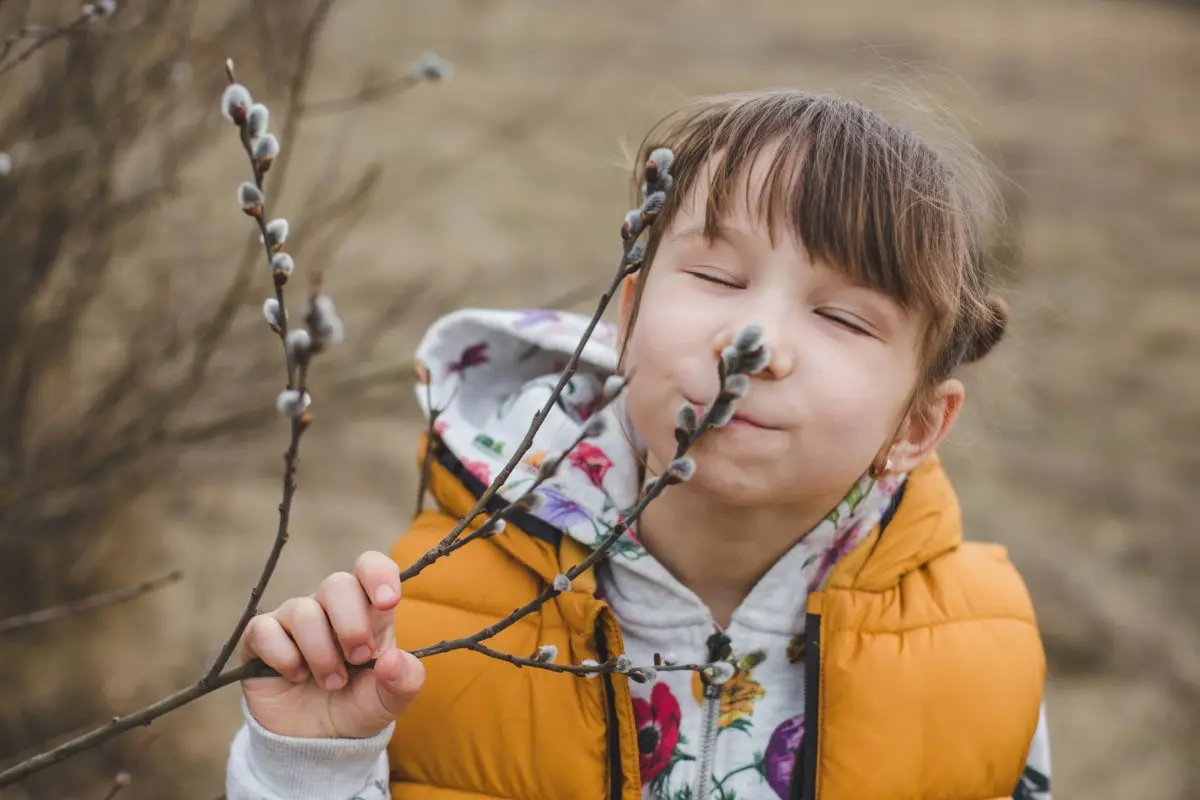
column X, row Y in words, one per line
column 398, row 677
column 380, row 579
column 348, row 609
column 266, row 639
column 305, row 621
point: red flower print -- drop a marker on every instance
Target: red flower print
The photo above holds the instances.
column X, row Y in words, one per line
column 470, row 357
column 592, row 461
column 479, row 469
column 657, row 730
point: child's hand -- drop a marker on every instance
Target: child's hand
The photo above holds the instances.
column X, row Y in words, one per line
column 306, row 639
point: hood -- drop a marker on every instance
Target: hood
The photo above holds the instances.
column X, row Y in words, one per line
column 486, row 373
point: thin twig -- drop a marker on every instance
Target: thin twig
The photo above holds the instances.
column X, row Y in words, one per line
column 116, row 726
column 493, row 523
column 438, row 550
column 291, row 462
column 101, row 600
column 368, row 94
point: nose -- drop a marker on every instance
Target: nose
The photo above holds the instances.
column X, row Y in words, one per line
column 783, row 357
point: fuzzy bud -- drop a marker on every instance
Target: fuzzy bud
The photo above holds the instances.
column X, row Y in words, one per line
column 686, row 418
column 595, row 427
column 658, row 165
column 431, row 67
column 250, row 198
column 632, row 227
column 257, row 119
column 634, row 258
column 323, row 321
column 272, row 312
column 265, row 150
column 681, row 469
column 653, row 205
column 282, row 266
column 623, row 664
column 299, row 346
column 718, row 672
column 562, row 583
column 550, row 465
column 736, row 385
column 613, row 386
column 750, row 338
column 649, row 484
column 756, row 360
column 592, row 664
column 721, row 414
column 668, row 659
column 638, row 675
column 650, row 673
column 277, row 233
column 731, row 362
column 291, row 403
column 122, row 778
column 235, row 103
column 545, row 654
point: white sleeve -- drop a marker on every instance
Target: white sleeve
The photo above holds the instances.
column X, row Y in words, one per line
column 266, row 766
column 1035, row 783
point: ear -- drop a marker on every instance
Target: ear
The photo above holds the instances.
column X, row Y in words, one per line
column 927, row 427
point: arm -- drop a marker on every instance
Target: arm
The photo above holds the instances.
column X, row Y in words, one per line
column 266, row 766
column 1035, row 783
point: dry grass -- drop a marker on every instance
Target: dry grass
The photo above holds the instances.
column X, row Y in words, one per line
column 500, row 187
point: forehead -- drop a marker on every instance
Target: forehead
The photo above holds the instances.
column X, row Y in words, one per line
column 850, row 196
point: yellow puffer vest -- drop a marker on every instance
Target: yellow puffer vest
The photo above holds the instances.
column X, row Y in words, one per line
column 924, row 667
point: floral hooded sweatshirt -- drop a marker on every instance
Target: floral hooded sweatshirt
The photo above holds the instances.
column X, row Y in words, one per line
column 488, row 373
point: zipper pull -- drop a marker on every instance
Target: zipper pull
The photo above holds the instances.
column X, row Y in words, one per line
column 720, row 648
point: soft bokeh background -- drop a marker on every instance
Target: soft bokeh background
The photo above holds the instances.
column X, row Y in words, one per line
column 136, row 429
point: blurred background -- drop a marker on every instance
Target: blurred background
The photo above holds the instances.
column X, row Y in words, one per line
column 137, row 380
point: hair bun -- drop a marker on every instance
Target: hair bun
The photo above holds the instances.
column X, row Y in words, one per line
column 988, row 329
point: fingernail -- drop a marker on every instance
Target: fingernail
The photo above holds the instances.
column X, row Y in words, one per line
column 335, row 682
column 385, row 594
column 360, row 654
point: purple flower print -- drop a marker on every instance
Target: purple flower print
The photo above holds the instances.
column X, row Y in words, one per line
column 535, row 316
column 779, row 760
column 558, row 509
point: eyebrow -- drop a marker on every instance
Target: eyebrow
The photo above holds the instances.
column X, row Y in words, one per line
column 720, row 233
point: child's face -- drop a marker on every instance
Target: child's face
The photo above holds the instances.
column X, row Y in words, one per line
column 844, row 360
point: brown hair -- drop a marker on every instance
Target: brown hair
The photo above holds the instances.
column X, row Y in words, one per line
column 870, row 199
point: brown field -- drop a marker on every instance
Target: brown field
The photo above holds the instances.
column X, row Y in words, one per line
column 504, row 186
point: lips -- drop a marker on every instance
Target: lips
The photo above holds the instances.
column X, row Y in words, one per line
column 738, row 417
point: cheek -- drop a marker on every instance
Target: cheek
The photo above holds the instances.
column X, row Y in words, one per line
column 860, row 400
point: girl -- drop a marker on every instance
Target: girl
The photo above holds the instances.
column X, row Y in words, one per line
column 817, row 551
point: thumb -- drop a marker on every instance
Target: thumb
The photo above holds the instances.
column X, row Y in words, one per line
column 399, row 675
column 379, row 695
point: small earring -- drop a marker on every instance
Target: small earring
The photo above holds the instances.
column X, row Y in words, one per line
column 877, row 470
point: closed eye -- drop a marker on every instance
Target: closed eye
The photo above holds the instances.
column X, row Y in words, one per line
column 846, row 322
column 719, row 281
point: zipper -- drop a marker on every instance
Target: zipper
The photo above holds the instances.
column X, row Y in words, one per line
column 616, row 775
column 804, row 773
column 718, row 647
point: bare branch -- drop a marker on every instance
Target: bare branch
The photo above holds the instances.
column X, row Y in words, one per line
column 89, row 603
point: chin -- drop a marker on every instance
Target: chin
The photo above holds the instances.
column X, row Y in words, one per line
column 732, row 483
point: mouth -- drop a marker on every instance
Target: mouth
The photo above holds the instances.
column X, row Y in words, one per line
column 739, row 419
